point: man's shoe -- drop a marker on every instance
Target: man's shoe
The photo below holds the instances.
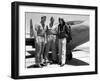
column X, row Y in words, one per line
column 62, row 65
column 35, row 66
column 44, row 64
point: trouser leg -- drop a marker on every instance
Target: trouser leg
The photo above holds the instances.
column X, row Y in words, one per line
column 59, row 50
column 38, row 53
column 63, row 54
column 47, row 48
column 42, row 52
column 53, row 48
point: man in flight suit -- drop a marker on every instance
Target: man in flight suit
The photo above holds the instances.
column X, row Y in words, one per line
column 62, row 37
column 40, row 40
column 51, row 39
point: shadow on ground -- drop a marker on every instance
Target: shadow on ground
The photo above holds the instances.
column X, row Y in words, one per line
column 76, row 62
column 73, row 62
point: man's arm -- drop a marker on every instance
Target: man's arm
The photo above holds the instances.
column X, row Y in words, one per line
column 54, row 30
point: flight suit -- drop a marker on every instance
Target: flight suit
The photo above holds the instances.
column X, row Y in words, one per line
column 51, row 39
column 40, row 41
column 62, row 42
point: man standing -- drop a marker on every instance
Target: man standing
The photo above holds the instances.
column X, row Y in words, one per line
column 51, row 38
column 40, row 40
column 62, row 40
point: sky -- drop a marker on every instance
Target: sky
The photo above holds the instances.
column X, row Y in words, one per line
column 35, row 16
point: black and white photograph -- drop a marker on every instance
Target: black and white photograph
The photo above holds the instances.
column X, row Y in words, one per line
column 53, row 40
column 57, row 40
